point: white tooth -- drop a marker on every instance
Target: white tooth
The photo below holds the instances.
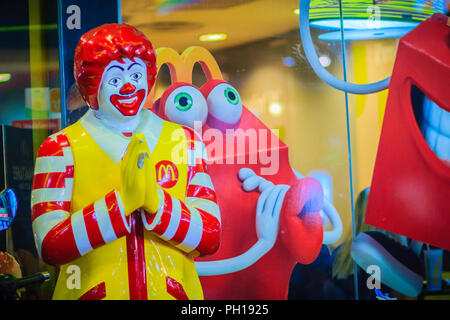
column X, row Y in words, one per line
column 130, row 100
column 445, row 123
column 436, row 128
column 434, row 114
column 442, row 148
column 430, row 136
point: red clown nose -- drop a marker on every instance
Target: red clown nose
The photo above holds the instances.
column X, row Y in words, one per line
column 127, row 88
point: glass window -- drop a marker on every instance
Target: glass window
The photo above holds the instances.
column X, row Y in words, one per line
column 256, row 47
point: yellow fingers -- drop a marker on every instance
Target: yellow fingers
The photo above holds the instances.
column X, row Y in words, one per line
column 133, row 174
column 151, row 195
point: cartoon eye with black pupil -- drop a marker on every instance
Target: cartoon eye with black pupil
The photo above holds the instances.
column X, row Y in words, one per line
column 183, row 101
column 231, row 96
column 136, row 76
column 114, row 81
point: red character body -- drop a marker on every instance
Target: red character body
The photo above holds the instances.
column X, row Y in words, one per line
column 299, row 238
column 410, row 191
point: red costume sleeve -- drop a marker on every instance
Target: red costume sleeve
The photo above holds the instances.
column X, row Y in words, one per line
column 62, row 236
column 193, row 224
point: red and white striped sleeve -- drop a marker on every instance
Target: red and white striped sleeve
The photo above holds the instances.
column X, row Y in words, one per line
column 195, row 223
column 62, row 236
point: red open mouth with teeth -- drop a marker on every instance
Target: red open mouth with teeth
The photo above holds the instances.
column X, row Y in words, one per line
column 128, row 105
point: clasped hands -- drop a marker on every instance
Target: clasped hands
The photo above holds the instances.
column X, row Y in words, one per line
column 139, row 186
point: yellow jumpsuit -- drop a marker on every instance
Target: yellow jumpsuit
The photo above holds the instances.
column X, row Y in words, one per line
column 139, row 265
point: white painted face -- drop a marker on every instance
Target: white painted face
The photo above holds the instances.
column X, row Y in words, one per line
column 122, row 91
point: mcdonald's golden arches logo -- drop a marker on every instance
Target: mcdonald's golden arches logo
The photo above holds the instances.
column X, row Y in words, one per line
column 166, row 174
column 182, row 65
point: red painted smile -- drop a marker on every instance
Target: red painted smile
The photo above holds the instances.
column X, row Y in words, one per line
column 128, row 105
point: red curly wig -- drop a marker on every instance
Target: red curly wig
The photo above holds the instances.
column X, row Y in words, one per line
column 106, row 43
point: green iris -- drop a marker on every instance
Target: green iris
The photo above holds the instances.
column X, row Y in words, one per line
column 183, row 101
column 232, row 96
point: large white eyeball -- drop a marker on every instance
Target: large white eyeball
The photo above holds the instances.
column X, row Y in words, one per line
column 186, row 105
column 224, row 103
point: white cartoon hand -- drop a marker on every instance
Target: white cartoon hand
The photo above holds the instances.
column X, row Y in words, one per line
column 269, row 204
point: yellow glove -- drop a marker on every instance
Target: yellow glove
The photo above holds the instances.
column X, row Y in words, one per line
column 151, row 202
column 134, row 174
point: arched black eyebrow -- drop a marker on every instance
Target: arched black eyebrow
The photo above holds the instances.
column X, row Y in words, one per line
column 129, row 67
column 115, row 67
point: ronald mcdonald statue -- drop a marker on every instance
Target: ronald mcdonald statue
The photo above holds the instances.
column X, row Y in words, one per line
column 122, row 198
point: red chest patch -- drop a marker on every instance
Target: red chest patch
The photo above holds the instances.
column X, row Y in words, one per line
column 166, row 174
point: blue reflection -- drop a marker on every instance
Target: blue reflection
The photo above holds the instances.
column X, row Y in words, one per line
column 289, row 61
column 367, row 34
column 8, row 208
column 360, row 24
